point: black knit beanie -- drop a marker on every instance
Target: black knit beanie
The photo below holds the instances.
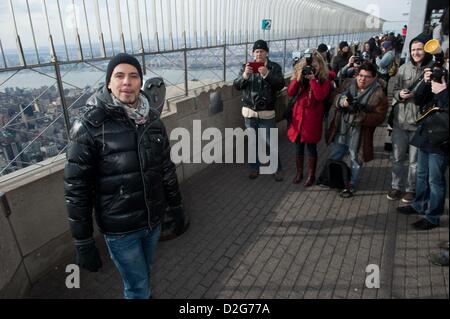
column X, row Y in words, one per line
column 260, row 44
column 322, row 48
column 119, row 59
column 343, row 44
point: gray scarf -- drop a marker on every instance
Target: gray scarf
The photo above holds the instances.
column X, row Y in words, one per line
column 139, row 114
column 363, row 96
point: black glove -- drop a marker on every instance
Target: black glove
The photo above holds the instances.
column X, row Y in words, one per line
column 88, row 256
column 178, row 219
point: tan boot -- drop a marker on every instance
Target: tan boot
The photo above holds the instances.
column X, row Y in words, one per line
column 299, row 163
column 312, row 163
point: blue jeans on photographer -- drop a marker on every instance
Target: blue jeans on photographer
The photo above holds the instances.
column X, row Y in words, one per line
column 267, row 124
column 133, row 256
column 430, row 185
column 339, row 151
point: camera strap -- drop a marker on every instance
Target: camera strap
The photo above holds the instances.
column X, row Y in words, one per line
column 416, row 82
column 420, row 77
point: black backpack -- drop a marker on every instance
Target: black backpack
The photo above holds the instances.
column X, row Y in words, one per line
column 335, row 174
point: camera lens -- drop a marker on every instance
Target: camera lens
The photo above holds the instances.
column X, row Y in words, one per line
column 308, row 70
column 437, row 74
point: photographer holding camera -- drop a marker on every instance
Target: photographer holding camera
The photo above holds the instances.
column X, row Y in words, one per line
column 342, row 56
column 404, row 115
column 360, row 106
column 350, row 70
column 310, row 84
column 260, row 88
column 431, row 139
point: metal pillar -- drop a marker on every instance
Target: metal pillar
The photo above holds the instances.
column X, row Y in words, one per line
column 63, row 98
column 186, row 88
column 225, row 63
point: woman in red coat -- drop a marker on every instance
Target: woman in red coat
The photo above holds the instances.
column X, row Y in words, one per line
column 311, row 88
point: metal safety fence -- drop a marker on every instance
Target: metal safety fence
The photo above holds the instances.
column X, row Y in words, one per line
column 43, row 88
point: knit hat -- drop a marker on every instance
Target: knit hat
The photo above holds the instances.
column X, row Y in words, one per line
column 322, row 48
column 387, row 44
column 119, row 59
column 261, row 44
column 343, row 44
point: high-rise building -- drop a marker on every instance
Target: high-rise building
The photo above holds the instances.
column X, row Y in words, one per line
column 10, row 152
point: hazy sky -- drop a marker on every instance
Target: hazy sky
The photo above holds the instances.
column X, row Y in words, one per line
column 391, row 10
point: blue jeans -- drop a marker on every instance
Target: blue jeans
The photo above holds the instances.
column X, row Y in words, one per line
column 430, row 185
column 403, row 154
column 133, row 256
column 256, row 123
column 338, row 151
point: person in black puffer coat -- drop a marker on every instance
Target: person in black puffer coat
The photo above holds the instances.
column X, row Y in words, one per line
column 118, row 164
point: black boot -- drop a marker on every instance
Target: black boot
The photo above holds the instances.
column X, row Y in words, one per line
column 312, row 163
column 299, row 163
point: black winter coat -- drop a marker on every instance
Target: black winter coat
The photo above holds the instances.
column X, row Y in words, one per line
column 121, row 170
column 260, row 94
column 339, row 61
column 426, row 99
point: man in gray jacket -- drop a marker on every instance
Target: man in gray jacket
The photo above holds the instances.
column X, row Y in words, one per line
column 404, row 121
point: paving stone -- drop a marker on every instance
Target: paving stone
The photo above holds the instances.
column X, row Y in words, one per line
column 262, row 239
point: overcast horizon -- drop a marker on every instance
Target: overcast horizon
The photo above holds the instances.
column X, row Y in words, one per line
column 391, row 11
column 396, row 13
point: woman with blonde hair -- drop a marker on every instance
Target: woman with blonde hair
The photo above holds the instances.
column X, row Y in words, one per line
column 310, row 84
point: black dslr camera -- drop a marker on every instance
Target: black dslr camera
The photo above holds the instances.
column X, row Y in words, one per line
column 353, row 69
column 354, row 106
column 308, row 69
column 438, row 72
column 358, row 60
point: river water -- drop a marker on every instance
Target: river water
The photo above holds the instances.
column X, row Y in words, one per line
column 28, row 79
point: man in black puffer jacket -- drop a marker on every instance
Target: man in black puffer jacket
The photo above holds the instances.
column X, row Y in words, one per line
column 260, row 88
column 119, row 166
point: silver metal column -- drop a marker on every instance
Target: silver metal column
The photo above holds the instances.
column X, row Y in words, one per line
column 225, row 63
column 186, row 87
